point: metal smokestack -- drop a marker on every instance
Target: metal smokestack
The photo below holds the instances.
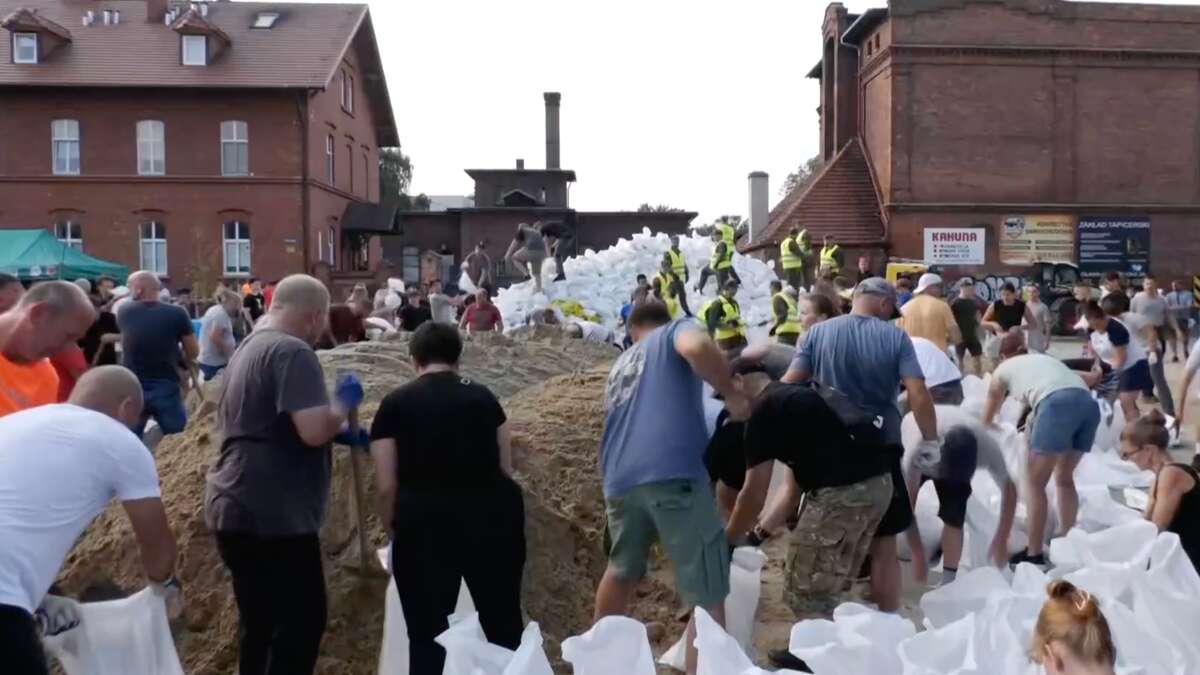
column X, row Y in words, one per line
column 552, row 145
column 759, row 213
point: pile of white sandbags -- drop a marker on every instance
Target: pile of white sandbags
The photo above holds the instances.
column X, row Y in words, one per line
column 603, row 281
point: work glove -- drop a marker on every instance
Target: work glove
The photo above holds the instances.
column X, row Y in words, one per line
column 57, row 615
column 929, row 453
column 344, row 437
column 349, row 391
column 171, row 591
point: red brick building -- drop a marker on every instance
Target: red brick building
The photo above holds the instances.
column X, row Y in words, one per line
column 1052, row 130
column 504, row 198
column 202, row 141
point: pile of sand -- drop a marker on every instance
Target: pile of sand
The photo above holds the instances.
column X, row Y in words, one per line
column 557, row 430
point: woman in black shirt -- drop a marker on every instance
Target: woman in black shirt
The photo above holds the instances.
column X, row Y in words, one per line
column 442, row 465
column 1174, row 504
column 1006, row 313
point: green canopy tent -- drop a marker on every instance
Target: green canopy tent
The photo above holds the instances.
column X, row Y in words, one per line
column 35, row 255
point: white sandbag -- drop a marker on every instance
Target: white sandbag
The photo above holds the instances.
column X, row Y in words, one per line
column 1127, row 544
column 469, row 653
column 741, row 607
column 616, row 645
column 120, row 637
column 465, row 285
column 393, row 650
column 965, row 595
column 858, row 640
column 718, row 653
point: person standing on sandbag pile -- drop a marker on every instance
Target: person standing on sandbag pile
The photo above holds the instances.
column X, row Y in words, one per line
column 1072, row 636
column 795, row 256
column 528, row 250
column 51, row 316
column 436, row 475
column 267, row 492
column 651, row 457
column 785, row 310
column 1174, row 504
column 966, row 445
column 668, row 289
column 674, row 258
column 560, row 238
column 721, row 263
column 723, row 317
column 866, row 358
column 1065, row 418
column 59, row 467
column 478, row 267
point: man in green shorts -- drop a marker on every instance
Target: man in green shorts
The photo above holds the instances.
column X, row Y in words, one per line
column 656, row 487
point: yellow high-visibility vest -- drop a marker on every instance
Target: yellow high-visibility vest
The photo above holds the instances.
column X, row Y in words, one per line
column 790, row 323
column 721, row 262
column 790, row 260
column 728, row 234
column 678, row 265
column 668, row 295
column 828, row 258
column 729, row 312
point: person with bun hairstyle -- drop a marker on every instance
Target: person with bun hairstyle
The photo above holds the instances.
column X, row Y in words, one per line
column 1174, row 504
column 1072, row 636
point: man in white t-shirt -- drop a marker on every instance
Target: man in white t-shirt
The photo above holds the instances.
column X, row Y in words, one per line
column 942, row 377
column 216, row 333
column 59, row 467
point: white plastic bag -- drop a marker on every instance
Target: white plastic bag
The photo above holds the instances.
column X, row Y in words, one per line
column 741, row 607
column 966, row 595
column 718, row 653
column 616, row 645
column 120, row 637
column 393, row 651
column 858, row 640
column 469, row 653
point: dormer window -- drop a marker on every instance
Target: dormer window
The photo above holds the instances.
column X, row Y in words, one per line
column 265, row 20
column 195, row 50
column 25, row 47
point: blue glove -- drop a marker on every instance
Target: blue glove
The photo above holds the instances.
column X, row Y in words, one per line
column 344, row 437
column 349, row 391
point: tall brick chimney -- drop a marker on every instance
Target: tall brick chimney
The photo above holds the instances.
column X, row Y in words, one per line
column 155, row 10
column 552, row 145
column 759, row 213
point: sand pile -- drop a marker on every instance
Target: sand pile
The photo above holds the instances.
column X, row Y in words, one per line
column 558, row 425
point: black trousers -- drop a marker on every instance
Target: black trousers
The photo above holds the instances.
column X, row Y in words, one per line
column 21, row 650
column 280, row 591
column 442, row 539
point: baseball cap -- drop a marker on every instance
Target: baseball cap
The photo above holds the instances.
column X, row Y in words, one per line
column 928, row 279
column 875, row 286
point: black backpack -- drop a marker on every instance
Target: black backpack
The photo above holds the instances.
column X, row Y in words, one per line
column 864, row 429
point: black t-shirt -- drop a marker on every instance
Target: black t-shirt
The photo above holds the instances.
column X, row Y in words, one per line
column 1008, row 316
column 793, row 424
column 966, row 314
column 105, row 323
column 256, row 303
column 412, row 316
column 725, row 456
column 445, row 428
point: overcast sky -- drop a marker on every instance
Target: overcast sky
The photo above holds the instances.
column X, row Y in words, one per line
column 664, row 101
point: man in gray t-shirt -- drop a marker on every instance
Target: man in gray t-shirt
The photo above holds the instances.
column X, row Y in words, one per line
column 216, row 333
column 266, row 493
column 1150, row 304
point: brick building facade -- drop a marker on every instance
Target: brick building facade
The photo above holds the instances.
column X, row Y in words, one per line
column 1035, row 123
column 199, row 172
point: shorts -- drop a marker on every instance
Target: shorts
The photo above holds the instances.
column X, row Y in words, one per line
column 681, row 514
column 973, row 346
column 952, row 500
column 831, row 541
column 899, row 515
column 1136, row 377
column 1065, row 420
column 209, row 372
column 164, row 403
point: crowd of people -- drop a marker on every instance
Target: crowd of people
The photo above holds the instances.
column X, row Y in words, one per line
column 856, row 395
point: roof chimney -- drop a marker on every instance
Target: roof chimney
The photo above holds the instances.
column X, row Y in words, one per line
column 156, row 10
column 520, row 165
column 759, row 213
column 552, row 146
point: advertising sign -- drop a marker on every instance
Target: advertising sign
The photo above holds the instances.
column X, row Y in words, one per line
column 1116, row 244
column 1025, row 240
column 955, row 245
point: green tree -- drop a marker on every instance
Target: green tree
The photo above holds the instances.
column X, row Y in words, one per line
column 395, row 177
column 659, row 208
column 801, row 177
column 733, row 221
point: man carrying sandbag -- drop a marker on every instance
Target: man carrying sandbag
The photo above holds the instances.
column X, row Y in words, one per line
column 656, row 487
column 59, row 467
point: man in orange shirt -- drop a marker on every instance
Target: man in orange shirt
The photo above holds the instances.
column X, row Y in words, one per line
column 50, row 317
column 928, row 316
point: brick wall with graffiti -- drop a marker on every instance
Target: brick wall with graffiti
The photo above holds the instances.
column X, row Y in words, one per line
column 987, row 287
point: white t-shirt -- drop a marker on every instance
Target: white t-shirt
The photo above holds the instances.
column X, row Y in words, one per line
column 594, row 332
column 1030, row 378
column 215, row 320
column 935, row 363
column 1102, row 343
column 990, row 456
column 59, row 467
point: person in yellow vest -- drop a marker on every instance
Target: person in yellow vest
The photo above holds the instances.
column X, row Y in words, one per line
column 668, row 288
column 786, row 312
column 795, row 253
column 721, row 263
column 723, row 317
column 678, row 263
column 831, row 256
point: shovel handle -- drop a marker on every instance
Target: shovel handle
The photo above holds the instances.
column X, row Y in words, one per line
column 364, row 550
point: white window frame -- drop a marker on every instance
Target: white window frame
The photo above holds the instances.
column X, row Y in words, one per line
column 64, row 135
column 350, row 165
column 151, row 148
column 187, row 46
column 236, row 251
column 349, row 80
column 265, row 20
column 236, row 134
column 156, row 261
column 410, row 264
column 62, row 232
column 331, row 244
column 16, row 48
column 330, row 160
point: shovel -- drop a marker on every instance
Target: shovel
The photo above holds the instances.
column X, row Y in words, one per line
column 368, row 564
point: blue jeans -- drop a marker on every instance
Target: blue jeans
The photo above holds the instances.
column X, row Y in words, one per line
column 1065, row 420
column 163, row 400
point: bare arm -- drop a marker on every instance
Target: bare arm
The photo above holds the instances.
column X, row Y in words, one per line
column 317, row 426
column 154, row 538
column 795, row 375
column 462, row 323
column 512, row 248
column 384, row 453
column 953, row 331
column 989, row 320
column 750, row 500
column 1008, row 510
column 1119, row 356
column 995, row 398
column 709, row 364
column 1031, row 319
column 191, row 348
column 921, row 404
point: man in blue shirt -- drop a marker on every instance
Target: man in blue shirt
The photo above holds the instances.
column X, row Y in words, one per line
column 867, row 359
column 656, row 487
column 151, row 335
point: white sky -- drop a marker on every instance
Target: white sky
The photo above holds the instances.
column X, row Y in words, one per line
column 664, row 101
